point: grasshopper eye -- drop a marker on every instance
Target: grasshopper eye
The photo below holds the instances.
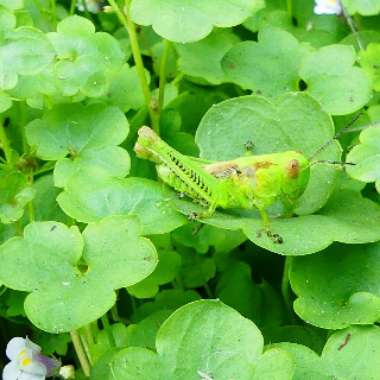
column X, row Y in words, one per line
column 293, row 168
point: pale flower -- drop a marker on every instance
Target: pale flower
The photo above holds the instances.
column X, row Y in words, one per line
column 27, row 362
column 327, row 7
column 93, row 6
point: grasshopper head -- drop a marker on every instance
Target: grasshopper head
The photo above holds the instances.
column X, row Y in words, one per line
column 146, row 140
column 296, row 173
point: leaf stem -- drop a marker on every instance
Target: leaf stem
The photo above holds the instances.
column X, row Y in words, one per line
column 289, row 6
column 163, row 64
column 53, row 11
column 285, row 288
column 107, row 329
column 127, row 22
column 72, row 6
column 85, row 343
column 80, row 353
column 354, row 30
column 5, row 144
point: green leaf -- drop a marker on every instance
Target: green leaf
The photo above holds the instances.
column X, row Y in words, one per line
column 363, row 7
column 49, row 264
column 110, row 161
column 214, row 340
column 166, row 300
column 275, row 364
column 165, row 272
column 12, row 4
column 341, row 356
column 276, row 59
column 125, row 89
column 332, row 80
column 301, row 334
column 88, row 135
column 365, row 156
column 85, row 59
column 353, row 353
column 26, row 51
column 338, row 287
column 190, row 20
column 236, row 289
column 192, row 56
column 273, row 126
column 72, row 128
column 196, row 270
column 44, row 203
column 204, row 238
column 143, row 333
column 347, row 218
column 88, row 200
column 15, row 194
column 369, row 61
column 5, row 101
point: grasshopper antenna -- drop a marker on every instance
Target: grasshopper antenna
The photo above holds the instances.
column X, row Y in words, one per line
column 337, row 135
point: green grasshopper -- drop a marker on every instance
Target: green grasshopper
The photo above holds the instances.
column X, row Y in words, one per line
column 247, row 182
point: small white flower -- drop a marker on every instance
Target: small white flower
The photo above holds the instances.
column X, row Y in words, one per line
column 67, row 372
column 327, row 7
column 27, row 362
column 93, row 6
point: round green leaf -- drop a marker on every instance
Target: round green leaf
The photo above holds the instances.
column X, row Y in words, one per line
column 49, row 263
column 354, row 353
column 85, row 59
column 332, row 80
column 165, row 272
column 346, row 218
column 369, row 60
column 338, row 287
column 44, row 256
column 5, row 101
column 203, row 338
column 269, row 66
column 273, row 126
column 110, row 161
column 190, row 20
column 366, row 156
column 191, row 56
column 363, row 7
column 115, row 251
column 15, row 194
column 125, row 89
column 26, row 51
column 73, row 128
column 88, row 200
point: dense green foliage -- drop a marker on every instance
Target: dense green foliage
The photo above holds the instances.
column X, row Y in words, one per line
column 92, row 244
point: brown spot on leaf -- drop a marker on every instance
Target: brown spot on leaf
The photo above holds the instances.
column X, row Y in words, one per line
column 344, row 343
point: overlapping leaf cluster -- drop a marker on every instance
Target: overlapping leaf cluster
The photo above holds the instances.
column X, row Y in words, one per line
column 92, row 243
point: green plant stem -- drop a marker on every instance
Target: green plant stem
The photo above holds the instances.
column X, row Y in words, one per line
column 127, row 22
column 75, row 338
column 85, row 344
column 5, row 144
column 107, row 329
column 72, row 6
column 53, row 10
column 31, row 213
column 289, row 5
column 286, row 290
column 163, row 64
column 351, row 25
column 208, row 290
